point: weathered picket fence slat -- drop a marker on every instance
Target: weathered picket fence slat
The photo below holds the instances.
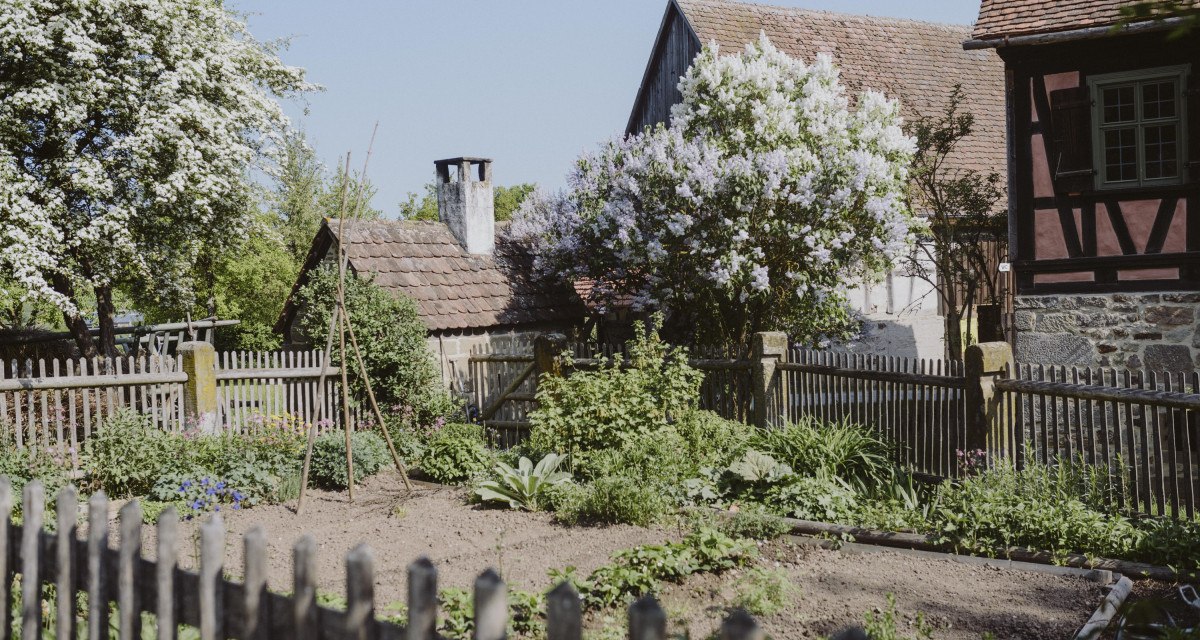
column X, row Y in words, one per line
column 219, row 607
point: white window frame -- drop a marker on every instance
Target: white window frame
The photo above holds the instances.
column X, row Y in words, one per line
column 1097, row 83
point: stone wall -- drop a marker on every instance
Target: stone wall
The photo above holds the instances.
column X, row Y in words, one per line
column 1155, row 331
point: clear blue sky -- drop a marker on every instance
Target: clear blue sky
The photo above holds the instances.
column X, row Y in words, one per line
column 529, row 83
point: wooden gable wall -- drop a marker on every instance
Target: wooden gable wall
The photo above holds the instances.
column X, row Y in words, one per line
column 1070, row 236
column 674, row 49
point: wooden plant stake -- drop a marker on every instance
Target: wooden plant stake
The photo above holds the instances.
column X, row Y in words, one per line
column 341, row 319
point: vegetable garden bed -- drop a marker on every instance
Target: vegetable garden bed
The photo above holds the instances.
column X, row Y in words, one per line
column 821, row 591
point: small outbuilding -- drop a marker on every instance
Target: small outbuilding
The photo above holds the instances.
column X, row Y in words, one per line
column 473, row 288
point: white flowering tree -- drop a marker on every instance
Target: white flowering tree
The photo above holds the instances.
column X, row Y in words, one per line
column 128, row 133
column 750, row 212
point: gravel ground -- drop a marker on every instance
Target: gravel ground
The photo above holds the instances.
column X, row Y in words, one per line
column 832, row 589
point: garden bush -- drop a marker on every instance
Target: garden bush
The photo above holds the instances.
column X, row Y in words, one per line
column 1003, row 508
column 612, row 500
column 126, row 455
column 850, row 452
column 391, row 337
column 590, row 412
column 456, row 453
column 329, row 457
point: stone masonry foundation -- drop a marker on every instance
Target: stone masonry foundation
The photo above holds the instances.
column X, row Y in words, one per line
column 1154, row 331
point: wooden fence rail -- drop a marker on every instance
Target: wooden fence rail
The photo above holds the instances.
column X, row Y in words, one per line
column 58, row 403
column 1136, row 429
column 122, row 583
column 916, row 405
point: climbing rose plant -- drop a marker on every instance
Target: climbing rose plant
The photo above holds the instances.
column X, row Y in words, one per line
column 748, row 213
column 128, row 130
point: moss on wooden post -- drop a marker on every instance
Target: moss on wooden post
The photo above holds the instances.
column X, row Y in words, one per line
column 769, row 349
column 987, row 421
column 200, row 390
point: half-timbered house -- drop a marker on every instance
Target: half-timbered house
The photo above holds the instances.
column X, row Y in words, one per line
column 1103, row 166
column 917, row 62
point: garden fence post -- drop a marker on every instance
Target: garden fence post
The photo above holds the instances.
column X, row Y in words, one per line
column 987, row 422
column 769, row 348
column 547, row 353
column 200, row 390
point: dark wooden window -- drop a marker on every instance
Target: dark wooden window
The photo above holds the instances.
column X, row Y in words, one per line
column 1139, row 127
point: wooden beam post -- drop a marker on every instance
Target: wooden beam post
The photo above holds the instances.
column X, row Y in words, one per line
column 200, row 390
column 769, row 349
column 987, row 421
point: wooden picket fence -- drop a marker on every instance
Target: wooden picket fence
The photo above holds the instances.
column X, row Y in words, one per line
column 58, row 403
column 917, row 405
column 120, row 582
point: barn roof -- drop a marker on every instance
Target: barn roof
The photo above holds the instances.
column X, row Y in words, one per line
column 917, row 62
column 454, row 290
column 1005, row 18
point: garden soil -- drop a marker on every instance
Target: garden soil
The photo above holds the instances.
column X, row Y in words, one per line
column 831, row 589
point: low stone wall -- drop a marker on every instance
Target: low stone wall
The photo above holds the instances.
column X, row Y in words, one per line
column 1155, row 331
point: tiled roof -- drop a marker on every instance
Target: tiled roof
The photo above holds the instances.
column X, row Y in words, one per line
column 452, row 288
column 917, row 62
column 999, row 18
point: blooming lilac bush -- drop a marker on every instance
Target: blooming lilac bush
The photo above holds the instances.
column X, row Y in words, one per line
column 749, row 212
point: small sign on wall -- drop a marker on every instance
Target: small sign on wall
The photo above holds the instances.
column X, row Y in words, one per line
column 1004, row 267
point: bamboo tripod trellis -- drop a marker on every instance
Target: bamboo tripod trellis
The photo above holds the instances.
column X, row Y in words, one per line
column 340, row 319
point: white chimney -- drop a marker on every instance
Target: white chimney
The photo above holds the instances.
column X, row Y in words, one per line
column 465, row 202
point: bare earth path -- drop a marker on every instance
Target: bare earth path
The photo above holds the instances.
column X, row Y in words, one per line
column 833, row 589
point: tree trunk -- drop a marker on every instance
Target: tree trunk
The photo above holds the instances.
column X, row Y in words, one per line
column 954, row 348
column 75, row 324
column 104, row 316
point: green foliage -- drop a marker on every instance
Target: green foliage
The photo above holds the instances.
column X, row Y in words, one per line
column 612, row 500
column 840, row 450
column 329, row 457
column 813, row 499
column 611, row 407
column 1002, row 508
column 638, row 571
column 763, row 592
column 885, row 624
column 456, row 453
column 391, row 338
column 126, row 455
column 753, row 522
column 526, row 486
column 525, row 617
column 506, row 200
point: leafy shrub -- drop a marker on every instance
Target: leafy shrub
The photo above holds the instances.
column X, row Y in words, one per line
column 49, row 464
column 604, row 409
column 638, row 571
column 711, row 440
column 1001, row 508
column 525, row 617
column 391, row 337
column 763, row 592
column 612, row 500
column 458, row 452
column 842, row 450
column 329, row 457
column 755, row 524
column 526, row 486
column 813, row 499
column 126, row 455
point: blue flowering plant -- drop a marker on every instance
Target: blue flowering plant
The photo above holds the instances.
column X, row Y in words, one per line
column 196, row 495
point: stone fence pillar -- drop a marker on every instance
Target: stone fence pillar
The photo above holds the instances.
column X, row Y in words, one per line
column 768, row 350
column 987, row 421
column 200, row 390
column 547, row 353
